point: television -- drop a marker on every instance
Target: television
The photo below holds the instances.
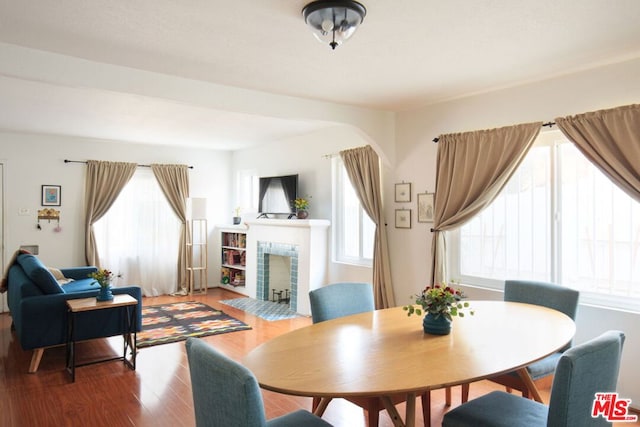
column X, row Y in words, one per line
column 276, row 195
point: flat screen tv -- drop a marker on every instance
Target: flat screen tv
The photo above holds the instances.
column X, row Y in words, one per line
column 277, row 194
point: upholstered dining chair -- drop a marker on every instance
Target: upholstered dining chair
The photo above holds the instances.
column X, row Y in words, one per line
column 544, row 294
column 582, row 371
column 343, row 299
column 227, row 394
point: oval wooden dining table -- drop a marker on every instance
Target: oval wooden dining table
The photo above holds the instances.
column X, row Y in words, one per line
column 385, row 352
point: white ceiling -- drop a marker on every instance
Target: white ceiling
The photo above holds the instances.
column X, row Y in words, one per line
column 407, row 53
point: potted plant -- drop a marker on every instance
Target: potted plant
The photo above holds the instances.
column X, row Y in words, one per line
column 302, row 205
column 103, row 277
column 440, row 303
column 237, row 219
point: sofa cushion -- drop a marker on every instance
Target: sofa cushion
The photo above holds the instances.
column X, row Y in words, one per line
column 41, row 276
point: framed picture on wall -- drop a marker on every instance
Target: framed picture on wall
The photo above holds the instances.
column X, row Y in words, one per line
column 403, row 192
column 51, row 195
column 403, row 218
column 425, row 207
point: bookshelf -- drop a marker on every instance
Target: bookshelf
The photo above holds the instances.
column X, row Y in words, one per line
column 233, row 261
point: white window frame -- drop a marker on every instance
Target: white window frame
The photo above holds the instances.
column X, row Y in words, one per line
column 592, row 298
column 339, row 176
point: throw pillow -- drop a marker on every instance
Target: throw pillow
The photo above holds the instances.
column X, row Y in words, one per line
column 57, row 274
column 39, row 274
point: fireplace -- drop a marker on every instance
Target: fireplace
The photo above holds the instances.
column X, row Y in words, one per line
column 305, row 242
column 265, row 274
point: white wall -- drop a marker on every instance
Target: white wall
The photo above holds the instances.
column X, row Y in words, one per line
column 32, row 160
column 606, row 87
column 304, row 155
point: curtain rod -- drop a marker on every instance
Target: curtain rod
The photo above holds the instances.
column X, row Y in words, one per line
column 548, row 124
column 81, row 161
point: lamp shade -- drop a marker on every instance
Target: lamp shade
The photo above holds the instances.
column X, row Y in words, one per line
column 196, row 208
column 333, row 22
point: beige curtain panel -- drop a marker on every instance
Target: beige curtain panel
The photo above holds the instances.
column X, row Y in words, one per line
column 610, row 139
column 103, row 184
column 472, row 168
column 363, row 167
column 174, row 182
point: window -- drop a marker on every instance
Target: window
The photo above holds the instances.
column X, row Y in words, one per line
column 559, row 219
column 139, row 236
column 353, row 230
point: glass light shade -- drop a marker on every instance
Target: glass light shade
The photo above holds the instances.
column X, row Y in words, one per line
column 333, row 22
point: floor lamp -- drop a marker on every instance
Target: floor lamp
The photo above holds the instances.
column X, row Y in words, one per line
column 196, row 241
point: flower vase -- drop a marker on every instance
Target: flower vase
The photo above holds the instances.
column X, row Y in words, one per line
column 436, row 325
column 104, row 294
column 302, row 214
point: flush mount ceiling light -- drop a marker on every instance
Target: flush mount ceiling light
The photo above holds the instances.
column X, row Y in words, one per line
column 334, row 22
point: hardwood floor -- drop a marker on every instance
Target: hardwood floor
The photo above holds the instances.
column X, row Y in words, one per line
column 158, row 393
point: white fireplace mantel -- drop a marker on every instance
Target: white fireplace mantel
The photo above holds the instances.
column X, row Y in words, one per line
column 311, row 238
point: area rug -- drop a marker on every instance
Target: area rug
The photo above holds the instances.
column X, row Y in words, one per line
column 166, row 323
column 267, row 310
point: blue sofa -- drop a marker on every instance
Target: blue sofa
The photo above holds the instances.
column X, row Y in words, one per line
column 38, row 306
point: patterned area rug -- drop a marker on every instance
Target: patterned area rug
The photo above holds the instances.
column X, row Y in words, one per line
column 267, row 310
column 166, row 323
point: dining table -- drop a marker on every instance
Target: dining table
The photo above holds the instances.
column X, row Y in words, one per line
column 385, row 353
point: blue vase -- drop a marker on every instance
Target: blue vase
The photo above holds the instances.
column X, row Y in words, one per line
column 436, row 325
column 104, row 294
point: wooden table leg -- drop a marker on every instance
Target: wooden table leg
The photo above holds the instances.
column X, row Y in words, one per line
column 410, row 416
column 392, row 411
column 528, row 381
column 322, row 406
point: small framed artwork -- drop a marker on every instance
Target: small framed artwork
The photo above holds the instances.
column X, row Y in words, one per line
column 403, row 218
column 403, row 192
column 425, row 207
column 51, row 195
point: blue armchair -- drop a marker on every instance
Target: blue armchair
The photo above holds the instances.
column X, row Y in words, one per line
column 226, row 393
column 39, row 311
column 582, row 371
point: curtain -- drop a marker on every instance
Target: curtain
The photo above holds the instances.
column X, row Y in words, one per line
column 174, row 182
column 138, row 238
column 104, row 182
column 610, row 139
column 363, row 167
column 472, row 168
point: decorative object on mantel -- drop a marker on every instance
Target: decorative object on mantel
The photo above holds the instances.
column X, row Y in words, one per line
column 425, row 207
column 302, row 205
column 103, row 278
column 237, row 218
column 440, row 303
column 403, row 192
column 334, row 21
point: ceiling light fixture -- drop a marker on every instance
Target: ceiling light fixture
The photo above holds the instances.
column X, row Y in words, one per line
column 334, row 21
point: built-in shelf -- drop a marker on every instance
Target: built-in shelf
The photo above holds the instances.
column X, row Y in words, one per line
column 233, row 252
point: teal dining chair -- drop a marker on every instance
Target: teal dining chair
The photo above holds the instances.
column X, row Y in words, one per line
column 545, row 294
column 582, row 371
column 344, row 299
column 226, row 394
column 340, row 299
